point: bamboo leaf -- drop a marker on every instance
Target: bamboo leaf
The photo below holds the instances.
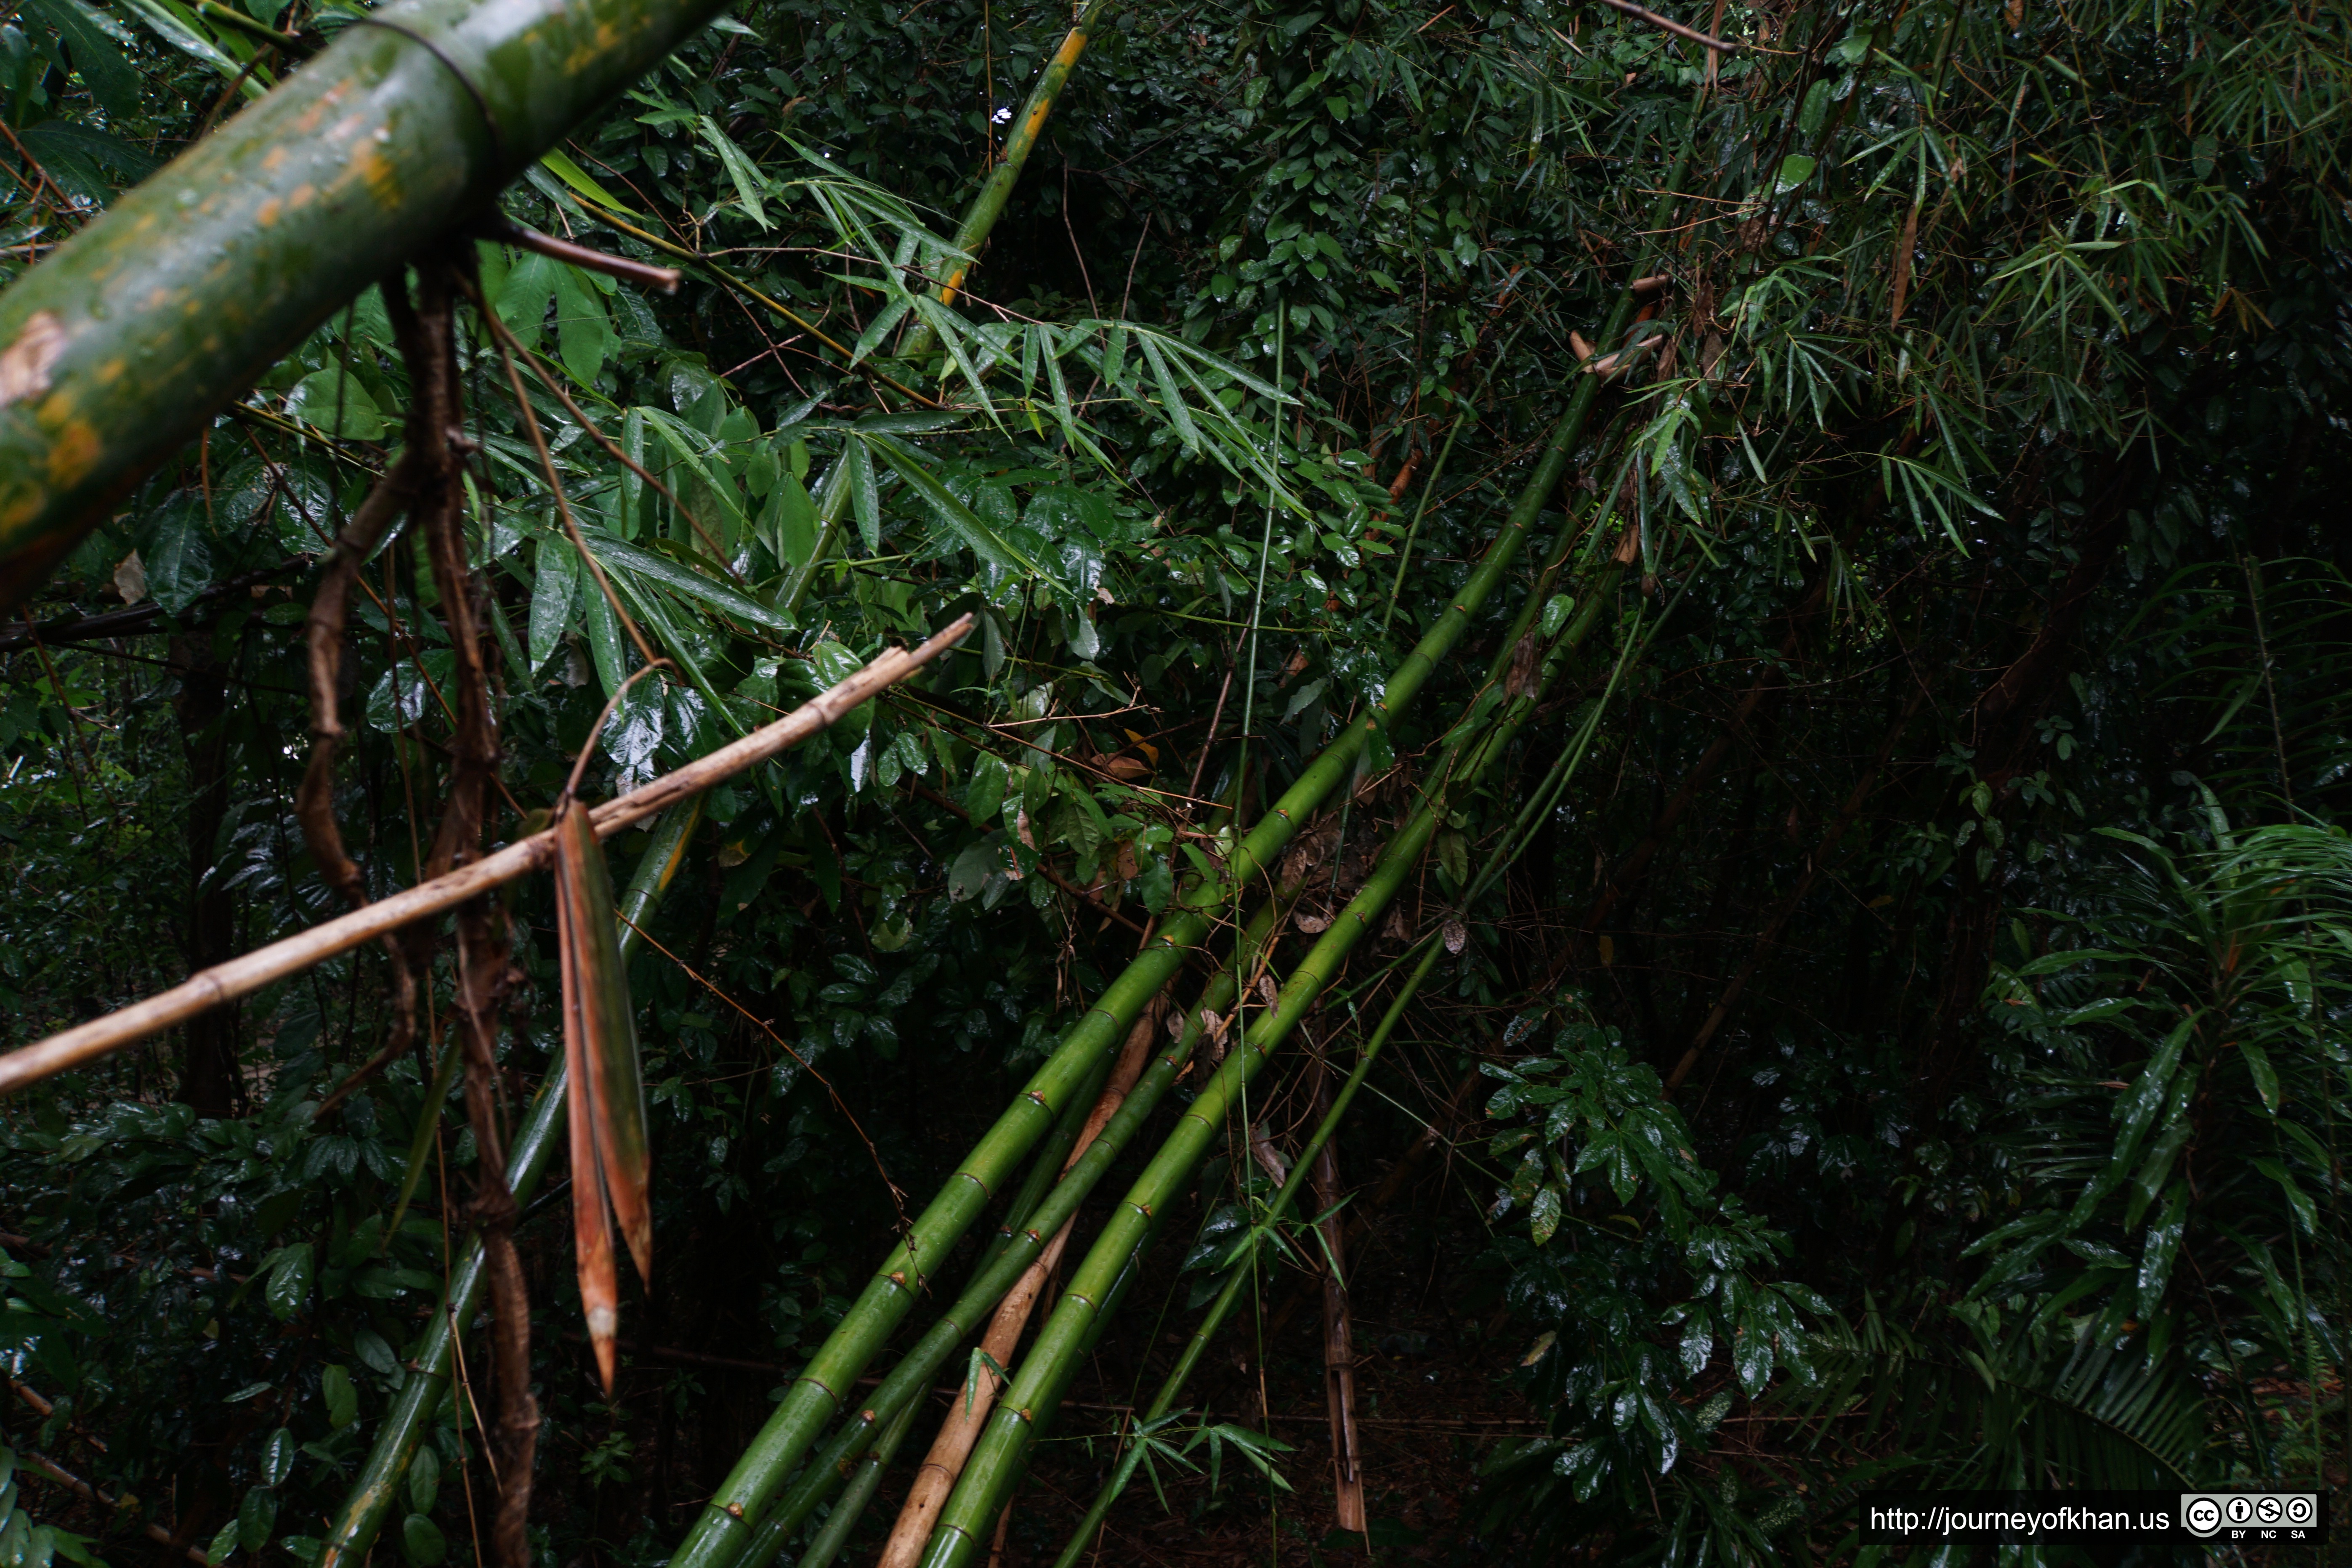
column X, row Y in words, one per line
column 556, row 163
column 680, row 579
column 865, row 494
column 982, row 540
column 745, row 175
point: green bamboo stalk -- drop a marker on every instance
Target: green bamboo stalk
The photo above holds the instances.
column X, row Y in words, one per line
column 858, row 1492
column 989, row 204
column 1279, row 1208
column 1016, row 1247
column 724, row 1528
column 1473, row 749
column 377, row 1491
column 124, row 342
column 1276, row 1211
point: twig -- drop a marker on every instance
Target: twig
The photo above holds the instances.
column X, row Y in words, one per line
column 897, row 1196
column 500, row 227
column 1676, row 28
column 98, row 1499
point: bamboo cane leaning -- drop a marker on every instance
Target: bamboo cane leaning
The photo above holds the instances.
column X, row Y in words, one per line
column 719, row 1535
column 1470, row 752
column 87, row 1043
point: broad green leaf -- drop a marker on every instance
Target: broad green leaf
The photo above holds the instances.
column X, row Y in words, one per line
column 256, row 1516
column 288, row 1290
column 583, row 335
column 97, row 59
column 341, row 1395
column 179, row 559
column 1543, row 1215
column 604, row 636
column 555, row 585
column 337, row 404
column 791, row 523
column 421, row 1540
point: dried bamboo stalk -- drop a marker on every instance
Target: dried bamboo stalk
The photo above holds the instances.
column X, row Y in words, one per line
column 1338, row 1330
column 87, row 1043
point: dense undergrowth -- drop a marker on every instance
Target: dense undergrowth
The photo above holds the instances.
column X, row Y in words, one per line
column 1887, row 1023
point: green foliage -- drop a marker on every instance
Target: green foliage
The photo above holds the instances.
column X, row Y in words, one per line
column 1984, row 428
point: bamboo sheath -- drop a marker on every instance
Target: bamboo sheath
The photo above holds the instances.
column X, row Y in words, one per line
column 87, row 1043
column 376, row 1492
column 122, row 343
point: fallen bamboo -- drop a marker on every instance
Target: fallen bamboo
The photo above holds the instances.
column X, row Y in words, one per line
column 87, row 1043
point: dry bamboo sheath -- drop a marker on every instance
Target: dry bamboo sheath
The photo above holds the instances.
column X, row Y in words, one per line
column 87, row 1043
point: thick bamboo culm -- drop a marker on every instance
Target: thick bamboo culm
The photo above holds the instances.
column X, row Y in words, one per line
column 87, row 1043
column 997, row 189
column 128, row 337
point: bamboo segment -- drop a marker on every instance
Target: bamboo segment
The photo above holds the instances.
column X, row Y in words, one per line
column 101, row 1037
column 124, row 342
column 1472, row 749
column 989, row 204
column 944, row 1463
column 858, row 1492
column 719, row 1535
column 1278, row 1210
column 373, row 1496
column 912, row 1376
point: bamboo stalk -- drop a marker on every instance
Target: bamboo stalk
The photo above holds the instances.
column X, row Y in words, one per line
column 101, row 1037
column 375, row 1493
column 724, row 1529
column 1338, row 1330
column 1473, row 749
column 1017, row 1249
column 989, row 204
column 105, row 1505
column 858, row 1492
column 125, row 340
column 937, row 1475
